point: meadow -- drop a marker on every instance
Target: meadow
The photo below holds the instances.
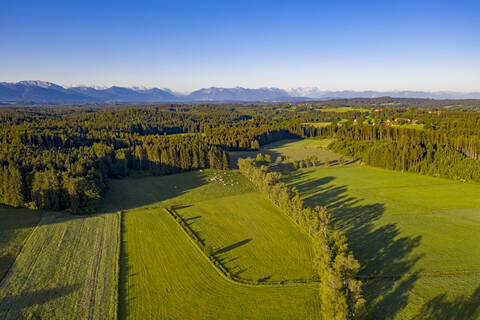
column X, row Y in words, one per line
column 15, row 227
column 67, row 269
column 253, row 238
column 342, row 109
column 294, row 149
column 416, row 237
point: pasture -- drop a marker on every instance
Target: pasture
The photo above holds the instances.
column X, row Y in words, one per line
column 341, row 109
column 294, row 149
column 423, row 230
column 164, row 273
column 66, row 270
column 15, row 226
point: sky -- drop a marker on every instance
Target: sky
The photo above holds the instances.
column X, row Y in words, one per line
column 187, row 45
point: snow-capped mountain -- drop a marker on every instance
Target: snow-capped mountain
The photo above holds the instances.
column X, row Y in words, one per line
column 34, row 91
column 237, row 94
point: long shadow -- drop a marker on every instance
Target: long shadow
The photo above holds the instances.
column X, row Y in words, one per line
column 119, row 200
column 123, row 195
column 441, row 308
column 233, row 246
column 130, row 193
column 5, row 264
column 12, row 306
column 384, row 254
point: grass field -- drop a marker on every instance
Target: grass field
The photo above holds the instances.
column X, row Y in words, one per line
column 318, row 124
column 167, row 275
column 15, row 226
column 296, row 149
column 413, row 126
column 342, row 109
column 400, row 223
column 66, row 270
column 416, row 238
column 255, row 239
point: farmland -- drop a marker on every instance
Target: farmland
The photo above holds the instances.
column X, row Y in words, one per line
column 15, row 227
column 415, row 236
column 398, row 224
column 66, row 270
column 294, row 149
column 253, row 238
column 342, row 109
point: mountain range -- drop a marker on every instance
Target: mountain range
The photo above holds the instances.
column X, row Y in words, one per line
column 35, row 92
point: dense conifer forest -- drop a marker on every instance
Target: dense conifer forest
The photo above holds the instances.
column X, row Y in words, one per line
column 61, row 157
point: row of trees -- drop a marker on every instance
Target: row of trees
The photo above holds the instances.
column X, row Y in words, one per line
column 340, row 291
column 465, row 140
column 412, row 156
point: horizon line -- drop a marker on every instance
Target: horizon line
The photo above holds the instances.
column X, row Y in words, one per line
column 143, row 87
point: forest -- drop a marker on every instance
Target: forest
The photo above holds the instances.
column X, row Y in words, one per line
column 175, row 167
column 62, row 157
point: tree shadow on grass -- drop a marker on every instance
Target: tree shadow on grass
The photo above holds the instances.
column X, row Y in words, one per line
column 13, row 306
column 233, row 246
column 131, row 193
column 384, row 254
column 6, row 263
column 442, row 308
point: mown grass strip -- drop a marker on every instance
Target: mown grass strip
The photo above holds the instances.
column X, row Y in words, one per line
column 217, row 264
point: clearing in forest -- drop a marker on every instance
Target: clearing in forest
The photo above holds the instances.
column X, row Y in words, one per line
column 293, row 149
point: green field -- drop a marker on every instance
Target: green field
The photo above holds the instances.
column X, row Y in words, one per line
column 413, row 126
column 66, row 270
column 416, row 238
column 403, row 224
column 164, row 272
column 295, row 149
column 342, row 109
column 15, row 227
column 318, row 124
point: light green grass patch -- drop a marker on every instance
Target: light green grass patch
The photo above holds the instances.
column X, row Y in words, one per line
column 403, row 224
column 439, row 298
column 66, row 270
column 166, row 275
column 413, row 126
column 342, row 109
column 318, row 124
column 168, row 278
column 295, row 149
column 253, row 238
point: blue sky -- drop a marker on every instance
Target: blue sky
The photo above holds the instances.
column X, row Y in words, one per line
column 185, row 45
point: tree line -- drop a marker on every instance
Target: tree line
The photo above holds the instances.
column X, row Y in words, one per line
column 340, row 291
column 437, row 153
column 75, row 178
column 61, row 157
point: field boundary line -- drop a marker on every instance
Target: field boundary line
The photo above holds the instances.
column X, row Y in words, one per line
column 9, row 271
column 224, row 276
